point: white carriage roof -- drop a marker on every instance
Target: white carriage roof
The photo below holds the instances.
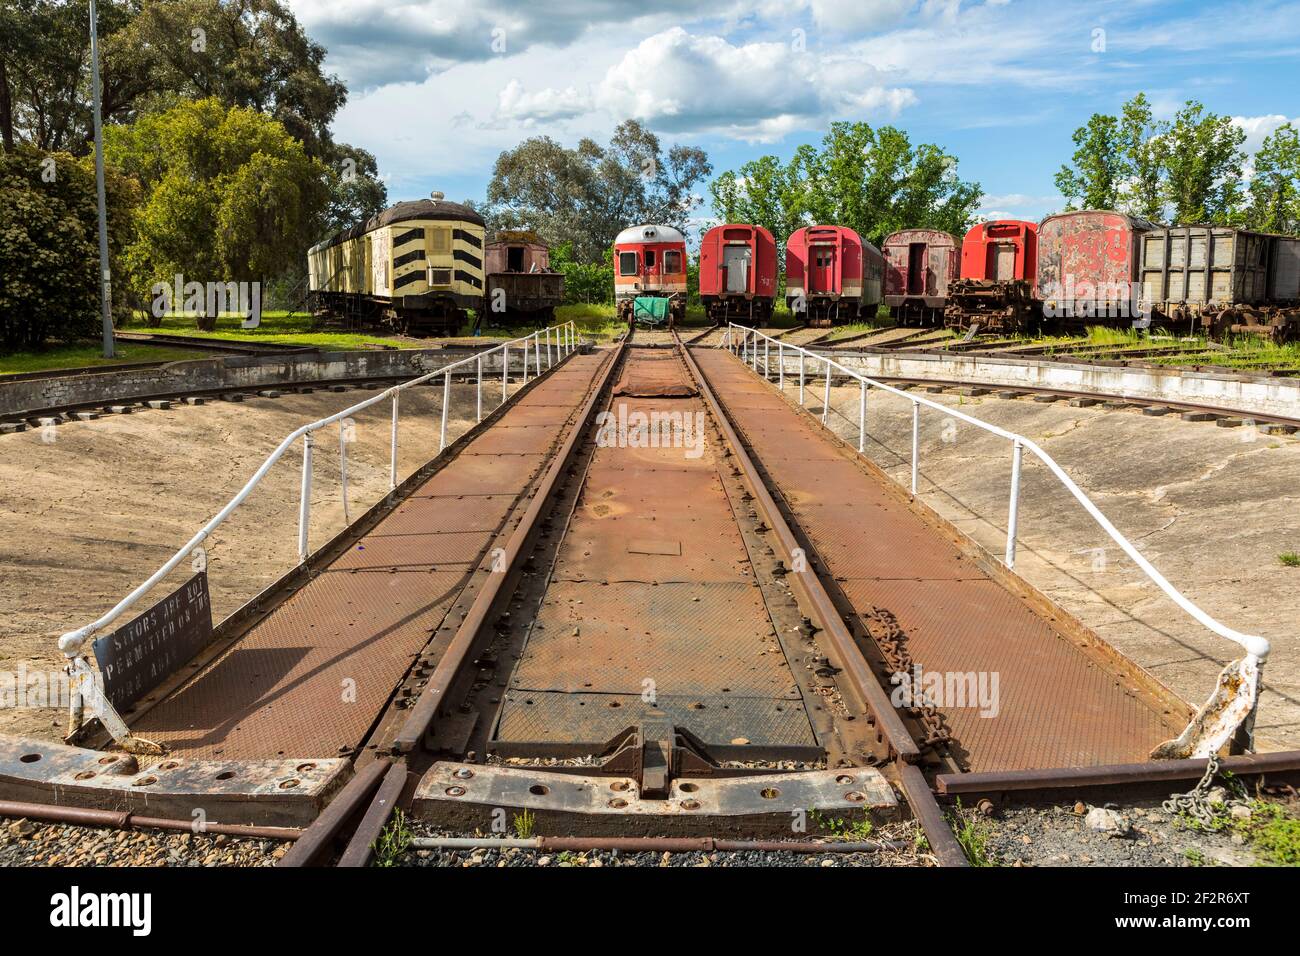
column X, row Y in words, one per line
column 649, row 233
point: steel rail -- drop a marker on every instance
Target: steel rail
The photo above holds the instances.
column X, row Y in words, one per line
column 320, row 835
column 1255, row 646
column 425, row 709
column 847, row 654
column 71, row 642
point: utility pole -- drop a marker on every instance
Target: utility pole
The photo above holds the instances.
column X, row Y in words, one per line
column 105, row 273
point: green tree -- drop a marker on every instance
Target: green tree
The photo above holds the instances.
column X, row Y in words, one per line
column 1204, row 161
column 1099, row 169
column 49, row 245
column 230, row 194
column 1275, row 186
column 871, row 180
column 1144, row 144
column 587, row 195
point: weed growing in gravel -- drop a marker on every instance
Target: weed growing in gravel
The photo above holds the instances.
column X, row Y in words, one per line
column 1195, row 857
column 843, row 829
column 973, row 836
column 1275, row 834
column 524, row 824
column 393, row 842
column 1290, row 559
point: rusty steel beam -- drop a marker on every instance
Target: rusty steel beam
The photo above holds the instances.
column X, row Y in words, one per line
column 361, row 846
column 921, row 799
column 318, row 837
column 1286, row 761
column 847, row 653
column 125, row 820
column 423, row 714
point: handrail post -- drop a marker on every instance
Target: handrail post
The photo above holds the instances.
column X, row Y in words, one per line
column 537, row 352
column 767, row 360
column 343, row 470
column 916, row 441
column 826, row 400
column 1013, row 511
column 550, row 361
column 478, row 400
column 505, row 370
column 862, row 416
column 446, row 401
column 802, row 356
column 780, row 366
column 304, row 501
column 524, row 381
column 392, row 468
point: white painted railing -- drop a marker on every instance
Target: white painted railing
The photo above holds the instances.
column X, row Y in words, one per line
column 560, row 341
column 745, row 343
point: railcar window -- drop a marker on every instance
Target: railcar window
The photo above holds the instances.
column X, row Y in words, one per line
column 440, row 241
column 649, row 258
column 672, row 262
column 627, row 263
column 439, row 277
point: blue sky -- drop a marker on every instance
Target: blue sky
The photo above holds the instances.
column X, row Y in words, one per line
column 440, row 87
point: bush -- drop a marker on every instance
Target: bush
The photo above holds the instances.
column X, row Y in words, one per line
column 49, row 246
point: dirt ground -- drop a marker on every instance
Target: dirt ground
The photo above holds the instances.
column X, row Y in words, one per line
column 1212, row 508
column 90, row 509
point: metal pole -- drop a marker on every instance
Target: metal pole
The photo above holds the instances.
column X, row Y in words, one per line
column 801, row 376
column 304, row 502
column 343, row 471
column 550, row 362
column 537, row 353
column 916, row 441
column 767, row 359
column 525, row 379
column 826, row 401
column 392, row 464
column 479, row 399
column 862, row 417
column 1013, row 516
column 446, row 401
column 505, row 370
column 105, row 269
column 780, row 365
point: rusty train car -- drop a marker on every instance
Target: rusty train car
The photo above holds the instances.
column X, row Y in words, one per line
column 1221, row 280
column 650, row 275
column 920, row 264
column 521, row 286
column 999, row 267
column 1088, row 266
column 738, row 273
column 832, row 275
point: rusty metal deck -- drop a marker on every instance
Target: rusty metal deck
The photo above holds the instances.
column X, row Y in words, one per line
column 652, row 601
column 311, row 678
column 1061, row 701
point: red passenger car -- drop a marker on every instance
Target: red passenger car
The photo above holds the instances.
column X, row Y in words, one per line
column 831, row 275
column 999, row 264
column 650, row 275
column 738, row 273
column 919, row 265
column 1088, row 266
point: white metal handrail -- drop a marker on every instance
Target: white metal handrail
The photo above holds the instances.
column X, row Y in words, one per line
column 566, row 339
column 747, row 349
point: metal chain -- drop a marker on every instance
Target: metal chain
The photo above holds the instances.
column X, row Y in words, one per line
column 1194, row 802
column 890, row 637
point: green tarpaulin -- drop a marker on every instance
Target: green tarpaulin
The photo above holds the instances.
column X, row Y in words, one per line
column 650, row 310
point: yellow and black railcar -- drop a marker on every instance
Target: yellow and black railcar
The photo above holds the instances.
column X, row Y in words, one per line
column 417, row 267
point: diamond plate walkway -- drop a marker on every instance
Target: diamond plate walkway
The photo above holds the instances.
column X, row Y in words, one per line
column 1063, row 700
column 652, row 602
column 311, row 678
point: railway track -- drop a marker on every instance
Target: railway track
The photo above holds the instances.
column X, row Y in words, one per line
column 658, row 607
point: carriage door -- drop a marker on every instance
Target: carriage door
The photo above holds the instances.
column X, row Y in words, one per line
column 736, row 260
column 1001, row 261
column 916, row 263
column 821, row 268
column 514, row 258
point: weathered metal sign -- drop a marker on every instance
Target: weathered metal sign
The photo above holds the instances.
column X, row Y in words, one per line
column 139, row 656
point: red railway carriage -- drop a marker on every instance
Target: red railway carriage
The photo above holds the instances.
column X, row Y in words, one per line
column 650, row 275
column 1088, row 265
column 831, row 275
column 738, row 272
column 919, row 265
column 999, row 265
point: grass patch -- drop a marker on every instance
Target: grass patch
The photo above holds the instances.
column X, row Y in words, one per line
column 524, row 823
column 393, row 842
column 841, row 829
column 1290, row 559
column 90, row 355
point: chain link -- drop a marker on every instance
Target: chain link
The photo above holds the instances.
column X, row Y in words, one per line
column 1195, row 802
column 890, row 638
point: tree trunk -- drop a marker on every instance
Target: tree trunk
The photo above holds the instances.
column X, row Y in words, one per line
column 6, row 109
